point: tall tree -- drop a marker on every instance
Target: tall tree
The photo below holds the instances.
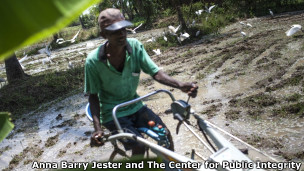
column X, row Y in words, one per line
column 13, row 69
column 177, row 6
column 81, row 22
column 145, row 9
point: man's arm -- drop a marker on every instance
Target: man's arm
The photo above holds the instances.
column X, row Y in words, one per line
column 95, row 111
column 189, row 88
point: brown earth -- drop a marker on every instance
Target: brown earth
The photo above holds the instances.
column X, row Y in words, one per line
column 249, row 86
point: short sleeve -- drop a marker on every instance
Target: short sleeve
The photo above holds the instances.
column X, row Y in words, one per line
column 146, row 63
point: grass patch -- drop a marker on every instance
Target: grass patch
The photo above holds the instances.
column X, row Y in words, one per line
column 200, row 76
column 255, row 113
column 219, row 63
column 211, row 110
column 16, row 160
column 34, row 152
column 259, row 100
column 161, row 44
column 293, row 98
column 291, row 155
column 51, row 141
column 255, row 101
column 65, row 123
column 296, row 109
column 204, row 63
column 296, row 79
column 262, row 142
column 25, row 95
column 262, row 61
column 275, row 55
column 233, row 114
column 62, row 152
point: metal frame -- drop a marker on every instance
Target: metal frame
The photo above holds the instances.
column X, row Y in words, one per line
column 226, row 150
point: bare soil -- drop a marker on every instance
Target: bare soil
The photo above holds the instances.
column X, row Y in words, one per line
column 249, row 86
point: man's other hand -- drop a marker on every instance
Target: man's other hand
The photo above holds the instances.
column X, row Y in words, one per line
column 96, row 139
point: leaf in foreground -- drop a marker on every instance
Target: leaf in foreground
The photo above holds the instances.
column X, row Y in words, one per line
column 5, row 125
column 24, row 22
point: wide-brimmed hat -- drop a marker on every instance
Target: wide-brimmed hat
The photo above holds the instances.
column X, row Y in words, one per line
column 111, row 19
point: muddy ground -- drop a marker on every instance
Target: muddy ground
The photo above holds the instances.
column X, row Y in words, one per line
column 249, row 86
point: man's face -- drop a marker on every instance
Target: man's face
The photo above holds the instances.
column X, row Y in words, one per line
column 117, row 38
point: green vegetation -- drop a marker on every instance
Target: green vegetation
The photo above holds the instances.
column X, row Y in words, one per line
column 212, row 110
column 233, row 114
column 200, row 76
column 292, row 155
column 293, row 98
column 290, row 110
column 256, row 101
column 30, row 151
column 295, row 79
column 16, row 160
column 255, row 113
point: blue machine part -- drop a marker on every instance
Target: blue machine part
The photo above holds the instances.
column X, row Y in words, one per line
column 88, row 112
column 149, row 132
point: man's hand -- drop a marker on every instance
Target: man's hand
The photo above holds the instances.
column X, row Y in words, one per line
column 96, row 138
column 189, row 88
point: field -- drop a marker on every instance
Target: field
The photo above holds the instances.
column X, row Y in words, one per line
column 250, row 86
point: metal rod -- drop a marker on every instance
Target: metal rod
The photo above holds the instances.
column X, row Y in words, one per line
column 197, row 136
column 188, row 99
column 236, row 138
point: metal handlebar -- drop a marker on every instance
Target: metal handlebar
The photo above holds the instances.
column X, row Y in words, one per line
column 117, row 124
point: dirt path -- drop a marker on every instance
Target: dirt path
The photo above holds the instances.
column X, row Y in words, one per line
column 250, row 86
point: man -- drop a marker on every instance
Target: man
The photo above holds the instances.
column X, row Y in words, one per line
column 112, row 76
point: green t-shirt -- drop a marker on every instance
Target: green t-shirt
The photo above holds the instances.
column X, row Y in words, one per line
column 115, row 87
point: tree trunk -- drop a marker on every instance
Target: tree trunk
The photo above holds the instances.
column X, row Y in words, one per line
column 135, row 9
column 123, row 7
column 81, row 22
column 13, row 69
column 130, row 10
column 176, row 5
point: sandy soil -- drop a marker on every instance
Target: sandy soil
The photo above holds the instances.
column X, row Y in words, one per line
column 250, row 86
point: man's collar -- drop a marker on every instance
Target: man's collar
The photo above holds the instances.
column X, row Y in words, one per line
column 102, row 51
